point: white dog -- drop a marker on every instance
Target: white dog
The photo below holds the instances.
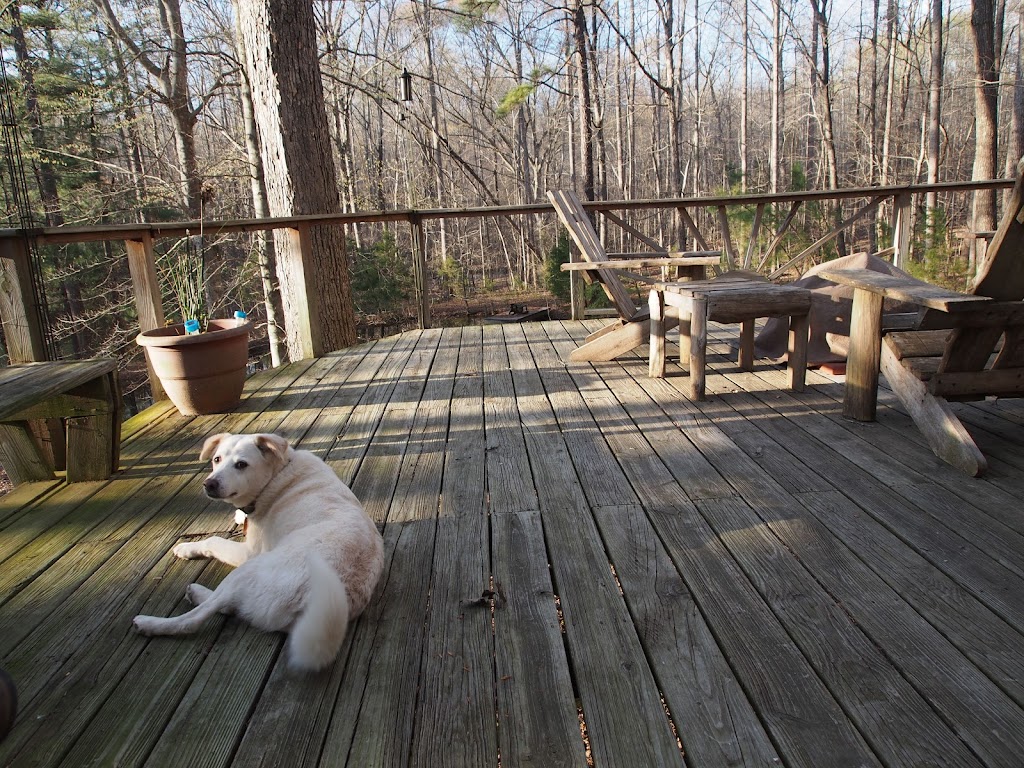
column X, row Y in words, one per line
column 311, row 556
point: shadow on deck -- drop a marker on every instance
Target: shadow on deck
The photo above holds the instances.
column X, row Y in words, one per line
column 583, row 566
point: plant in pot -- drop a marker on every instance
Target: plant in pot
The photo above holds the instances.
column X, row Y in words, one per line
column 200, row 362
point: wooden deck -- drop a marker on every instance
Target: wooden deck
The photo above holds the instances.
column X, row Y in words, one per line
column 583, row 566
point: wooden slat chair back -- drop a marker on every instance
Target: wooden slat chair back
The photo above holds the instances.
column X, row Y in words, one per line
column 570, row 210
column 633, row 326
column 965, row 347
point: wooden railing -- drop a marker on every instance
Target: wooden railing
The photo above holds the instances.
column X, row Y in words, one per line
column 24, row 335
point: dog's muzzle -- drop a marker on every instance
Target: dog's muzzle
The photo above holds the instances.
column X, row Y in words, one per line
column 211, row 486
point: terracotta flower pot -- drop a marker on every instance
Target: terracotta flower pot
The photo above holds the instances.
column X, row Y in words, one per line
column 202, row 373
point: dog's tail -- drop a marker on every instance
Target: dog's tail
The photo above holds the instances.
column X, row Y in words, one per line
column 316, row 636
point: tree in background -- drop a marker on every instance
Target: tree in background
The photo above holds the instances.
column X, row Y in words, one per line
column 987, row 30
column 498, row 97
column 295, row 144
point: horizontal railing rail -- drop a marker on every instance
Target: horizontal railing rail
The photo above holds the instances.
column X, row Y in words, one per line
column 23, row 333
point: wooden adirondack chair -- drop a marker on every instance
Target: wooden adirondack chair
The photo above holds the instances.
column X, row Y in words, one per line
column 609, row 269
column 977, row 351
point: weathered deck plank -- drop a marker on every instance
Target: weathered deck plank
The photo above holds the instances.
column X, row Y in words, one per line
column 455, row 706
column 619, row 697
column 583, row 566
column 807, row 723
column 961, row 692
column 530, row 656
column 718, row 726
column 373, row 718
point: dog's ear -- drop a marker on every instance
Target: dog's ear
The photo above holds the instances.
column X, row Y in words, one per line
column 274, row 445
column 210, row 446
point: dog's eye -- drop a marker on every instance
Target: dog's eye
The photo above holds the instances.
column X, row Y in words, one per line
column 216, row 459
column 241, row 464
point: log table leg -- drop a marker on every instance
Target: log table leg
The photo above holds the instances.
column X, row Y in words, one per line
column 799, row 330
column 861, row 396
column 745, row 357
column 698, row 338
column 656, row 365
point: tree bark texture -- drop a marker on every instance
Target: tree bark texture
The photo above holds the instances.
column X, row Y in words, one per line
column 986, row 103
column 295, row 145
column 1015, row 144
column 775, row 145
column 586, row 126
column 263, row 240
column 934, row 113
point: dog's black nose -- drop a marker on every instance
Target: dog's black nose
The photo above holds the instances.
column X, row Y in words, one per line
column 212, row 487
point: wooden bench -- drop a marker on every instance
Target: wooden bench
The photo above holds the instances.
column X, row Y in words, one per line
column 84, row 395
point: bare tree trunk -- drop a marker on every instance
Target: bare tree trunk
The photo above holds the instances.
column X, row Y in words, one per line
column 597, row 107
column 171, row 79
column 132, row 138
column 812, row 148
column 46, row 179
column 312, row 264
column 745, row 97
column 422, row 12
column 697, row 128
column 890, row 88
column 261, row 208
column 872, row 121
column 986, row 26
column 824, row 75
column 673, row 95
column 775, row 146
column 586, row 127
column 1015, row 144
column 934, row 116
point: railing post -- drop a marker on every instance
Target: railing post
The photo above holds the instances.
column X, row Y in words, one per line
column 419, row 264
column 901, row 213
column 24, row 336
column 20, row 444
column 148, row 299
column 306, row 323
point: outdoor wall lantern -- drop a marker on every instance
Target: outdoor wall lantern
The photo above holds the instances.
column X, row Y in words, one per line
column 405, row 85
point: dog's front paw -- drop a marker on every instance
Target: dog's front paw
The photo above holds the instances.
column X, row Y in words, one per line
column 189, row 550
column 145, row 625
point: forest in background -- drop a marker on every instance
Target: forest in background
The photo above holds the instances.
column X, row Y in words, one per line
column 125, row 111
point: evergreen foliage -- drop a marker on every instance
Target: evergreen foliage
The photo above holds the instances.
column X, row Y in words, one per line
column 381, row 278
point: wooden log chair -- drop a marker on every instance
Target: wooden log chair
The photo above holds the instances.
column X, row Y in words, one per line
column 610, row 269
column 966, row 346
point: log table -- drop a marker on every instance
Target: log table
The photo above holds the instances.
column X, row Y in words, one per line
column 82, row 393
column 727, row 300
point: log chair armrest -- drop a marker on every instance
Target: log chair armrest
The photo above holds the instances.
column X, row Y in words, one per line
column 693, row 257
column 640, row 260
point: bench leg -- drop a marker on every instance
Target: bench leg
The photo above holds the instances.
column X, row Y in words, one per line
column 93, row 440
column 21, row 455
column 799, row 328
